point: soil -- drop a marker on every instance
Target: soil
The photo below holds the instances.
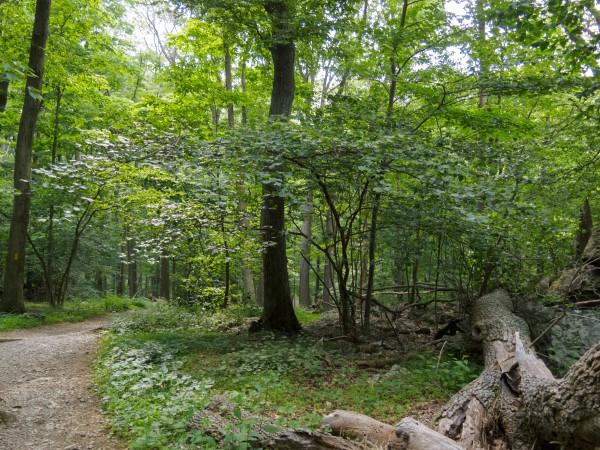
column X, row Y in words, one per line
column 47, row 396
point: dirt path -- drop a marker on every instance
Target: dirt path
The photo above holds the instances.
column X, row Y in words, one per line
column 46, row 389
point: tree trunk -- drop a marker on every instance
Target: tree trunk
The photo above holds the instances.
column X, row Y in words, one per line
column 132, row 280
column 278, row 312
column 51, row 291
column 3, row 94
column 516, row 403
column 517, row 393
column 584, row 232
column 328, row 269
column 243, row 86
column 120, row 288
column 305, row 296
column 481, row 38
column 228, row 82
column 372, row 248
column 164, row 289
column 13, row 300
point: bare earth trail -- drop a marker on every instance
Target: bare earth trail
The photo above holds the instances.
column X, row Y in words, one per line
column 46, row 386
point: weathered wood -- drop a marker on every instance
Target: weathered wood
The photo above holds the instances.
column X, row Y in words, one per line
column 413, row 435
column 312, row 440
column 358, row 426
column 518, row 394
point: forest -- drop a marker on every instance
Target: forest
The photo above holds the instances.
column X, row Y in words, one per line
column 300, row 224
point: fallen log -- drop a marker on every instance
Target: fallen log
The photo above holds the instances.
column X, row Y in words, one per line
column 516, row 403
column 518, row 394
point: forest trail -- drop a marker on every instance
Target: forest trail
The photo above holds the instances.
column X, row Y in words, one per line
column 46, row 386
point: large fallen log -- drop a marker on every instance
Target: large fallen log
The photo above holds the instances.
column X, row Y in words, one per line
column 516, row 403
column 517, row 399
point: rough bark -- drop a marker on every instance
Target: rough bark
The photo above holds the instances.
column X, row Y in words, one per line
column 517, row 394
column 278, row 312
column 516, row 403
column 13, row 300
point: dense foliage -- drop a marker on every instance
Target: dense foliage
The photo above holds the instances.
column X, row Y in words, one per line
column 434, row 150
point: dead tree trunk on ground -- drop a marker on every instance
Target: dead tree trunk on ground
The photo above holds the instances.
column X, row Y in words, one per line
column 516, row 403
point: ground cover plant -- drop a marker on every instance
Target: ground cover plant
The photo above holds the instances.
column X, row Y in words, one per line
column 72, row 311
column 159, row 367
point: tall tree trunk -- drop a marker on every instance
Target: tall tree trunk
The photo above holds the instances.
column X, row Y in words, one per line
column 244, row 89
column 228, row 82
column 120, row 288
column 247, row 277
column 3, row 94
column 328, row 269
column 305, row 296
column 480, row 19
column 278, row 312
column 164, row 290
column 13, row 300
column 372, row 248
column 227, row 274
column 51, row 291
column 584, row 231
column 132, row 279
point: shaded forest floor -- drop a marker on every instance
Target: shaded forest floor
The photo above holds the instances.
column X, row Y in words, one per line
column 159, row 367
column 40, row 314
column 47, row 399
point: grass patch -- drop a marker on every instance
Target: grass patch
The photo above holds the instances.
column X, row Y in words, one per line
column 39, row 314
column 155, row 371
column 307, row 317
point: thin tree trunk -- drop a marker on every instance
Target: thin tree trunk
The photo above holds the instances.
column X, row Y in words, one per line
column 328, row 269
column 228, row 82
column 278, row 312
column 13, row 300
column 247, row 277
column 480, row 18
column 372, row 248
column 120, row 291
column 51, row 294
column 244, row 90
column 227, row 274
column 584, row 231
column 132, row 279
column 3, row 95
column 305, row 297
column 165, row 278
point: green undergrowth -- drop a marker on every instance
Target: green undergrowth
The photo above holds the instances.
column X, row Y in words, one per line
column 157, row 367
column 72, row 311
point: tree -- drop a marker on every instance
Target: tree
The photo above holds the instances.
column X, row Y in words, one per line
column 13, row 300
